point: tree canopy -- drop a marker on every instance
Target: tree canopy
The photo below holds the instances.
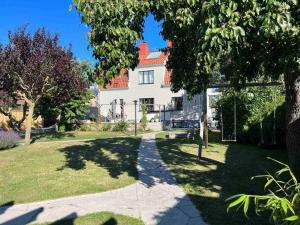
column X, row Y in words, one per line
column 243, row 39
column 35, row 67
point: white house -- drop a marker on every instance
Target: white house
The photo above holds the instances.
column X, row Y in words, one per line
column 149, row 83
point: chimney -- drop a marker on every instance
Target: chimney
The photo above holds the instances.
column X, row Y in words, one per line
column 143, row 50
column 170, row 44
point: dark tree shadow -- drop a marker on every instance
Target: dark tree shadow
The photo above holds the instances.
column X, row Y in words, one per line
column 25, row 218
column 6, row 206
column 111, row 221
column 216, row 179
column 116, row 155
column 68, row 220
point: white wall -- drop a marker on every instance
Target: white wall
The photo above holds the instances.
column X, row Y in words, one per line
column 162, row 96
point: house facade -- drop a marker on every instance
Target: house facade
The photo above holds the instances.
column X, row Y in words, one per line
column 150, row 84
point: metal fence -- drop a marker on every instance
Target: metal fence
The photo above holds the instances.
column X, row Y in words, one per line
column 167, row 115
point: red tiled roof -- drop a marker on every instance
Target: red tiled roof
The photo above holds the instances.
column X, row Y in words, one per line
column 161, row 59
column 146, row 58
column 120, row 81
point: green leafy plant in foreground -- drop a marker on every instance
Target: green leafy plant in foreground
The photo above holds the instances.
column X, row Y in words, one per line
column 282, row 198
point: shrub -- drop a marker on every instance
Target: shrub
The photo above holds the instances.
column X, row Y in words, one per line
column 106, row 127
column 8, row 139
column 282, row 199
column 255, row 108
column 85, row 127
column 121, row 126
column 61, row 128
column 144, row 120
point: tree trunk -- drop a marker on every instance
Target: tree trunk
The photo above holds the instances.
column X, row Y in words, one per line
column 29, row 123
column 292, row 85
column 202, row 132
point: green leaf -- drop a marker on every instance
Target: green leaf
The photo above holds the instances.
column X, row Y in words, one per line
column 239, row 200
column 246, row 205
column 292, row 218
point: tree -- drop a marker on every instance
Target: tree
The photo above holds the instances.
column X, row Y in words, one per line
column 35, row 67
column 60, row 110
column 242, row 39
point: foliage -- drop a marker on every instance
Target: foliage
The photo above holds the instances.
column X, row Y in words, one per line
column 121, row 125
column 74, row 110
column 254, row 105
column 144, row 120
column 244, row 40
column 107, row 127
column 8, row 139
column 85, row 127
column 51, row 108
column 34, row 66
column 115, row 29
column 282, row 199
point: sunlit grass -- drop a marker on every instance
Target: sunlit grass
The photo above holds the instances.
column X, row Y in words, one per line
column 225, row 170
column 52, row 170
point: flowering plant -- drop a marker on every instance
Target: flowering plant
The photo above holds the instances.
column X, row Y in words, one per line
column 8, row 139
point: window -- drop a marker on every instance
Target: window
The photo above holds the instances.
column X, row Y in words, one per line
column 177, row 103
column 149, row 102
column 146, row 77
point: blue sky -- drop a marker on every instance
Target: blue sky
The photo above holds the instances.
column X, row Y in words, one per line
column 56, row 17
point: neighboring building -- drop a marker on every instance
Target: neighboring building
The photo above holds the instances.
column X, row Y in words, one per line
column 213, row 95
column 149, row 83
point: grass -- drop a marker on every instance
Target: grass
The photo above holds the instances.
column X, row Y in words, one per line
column 52, row 170
column 225, row 170
column 103, row 218
column 78, row 135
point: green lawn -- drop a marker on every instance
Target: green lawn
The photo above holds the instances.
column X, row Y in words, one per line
column 225, row 171
column 52, row 170
column 78, row 135
column 103, row 218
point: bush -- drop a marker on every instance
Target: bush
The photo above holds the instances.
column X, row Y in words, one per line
column 254, row 108
column 61, row 128
column 85, row 127
column 144, row 120
column 282, row 199
column 8, row 139
column 106, row 127
column 121, row 126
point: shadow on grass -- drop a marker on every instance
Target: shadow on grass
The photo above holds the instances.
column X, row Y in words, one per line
column 70, row 220
column 219, row 175
column 116, row 155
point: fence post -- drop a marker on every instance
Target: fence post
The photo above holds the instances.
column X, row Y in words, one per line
column 135, row 122
column 159, row 113
column 164, row 113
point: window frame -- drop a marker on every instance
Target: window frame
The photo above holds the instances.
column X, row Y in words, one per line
column 146, row 75
column 175, row 103
column 150, row 106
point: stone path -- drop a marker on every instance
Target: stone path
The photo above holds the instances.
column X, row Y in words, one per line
column 156, row 198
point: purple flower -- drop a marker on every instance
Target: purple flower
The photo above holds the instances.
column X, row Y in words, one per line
column 8, row 139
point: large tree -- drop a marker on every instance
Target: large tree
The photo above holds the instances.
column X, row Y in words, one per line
column 33, row 67
column 244, row 39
